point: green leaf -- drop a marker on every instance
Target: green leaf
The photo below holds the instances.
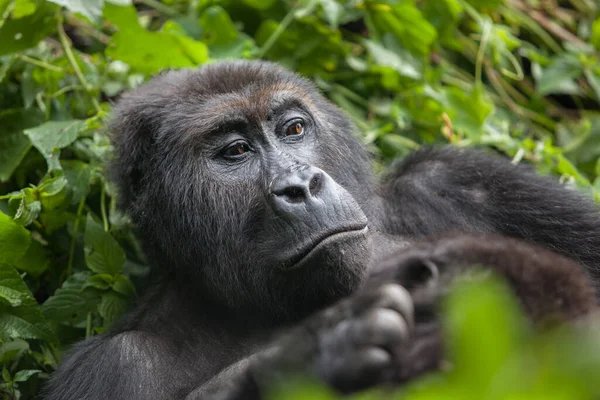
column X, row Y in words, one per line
column 102, row 252
column 26, row 322
column 468, row 111
column 124, row 286
column 5, row 374
column 112, row 306
column 480, row 341
column 91, row 9
column 259, row 4
column 12, row 287
column 52, row 136
column 13, row 144
column 23, row 33
column 559, row 77
column 12, row 350
column 407, row 24
column 148, row 52
column 23, row 8
column 78, row 175
column 196, row 51
column 25, row 374
column 100, row 281
column 218, row 27
column 333, row 11
column 594, row 81
column 595, row 39
column 28, row 208
column 14, row 240
column 71, row 303
column 385, row 57
column 35, row 261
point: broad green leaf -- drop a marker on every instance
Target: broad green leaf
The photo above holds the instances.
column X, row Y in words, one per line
column 35, row 261
column 333, row 11
column 26, row 322
column 124, row 286
column 148, row 52
column 91, row 9
column 406, row 22
column 218, row 27
column 53, row 193
column 112, row 306
column 103, row 254
column 11, row 350
column 12, row 287
column 194, row 50
column 558, row 77
column 23, row 33
column 13, row 144
column 23, row 8
column 14, row 240
column 13, row 147
column 220, row 34
column 480, row 341
column 388, row 58
column 52, row 136
column 468, row 111
column 71, row 303
column 78, row 175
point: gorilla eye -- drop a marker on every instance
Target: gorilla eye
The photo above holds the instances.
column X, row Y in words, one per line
column 295, row 129
column 236, row 149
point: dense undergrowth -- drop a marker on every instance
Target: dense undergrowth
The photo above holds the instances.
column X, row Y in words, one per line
column 521, row 77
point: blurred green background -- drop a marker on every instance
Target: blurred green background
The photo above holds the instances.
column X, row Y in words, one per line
column 521, row 77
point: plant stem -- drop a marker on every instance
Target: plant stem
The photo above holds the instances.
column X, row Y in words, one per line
column 39, row 63
column 163, row 8
column 64, row 41
column 74, row 237
column 103, row 208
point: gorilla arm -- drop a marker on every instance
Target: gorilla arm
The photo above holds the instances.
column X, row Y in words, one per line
column 440, row 189
column 378, row 337
column 551, row 289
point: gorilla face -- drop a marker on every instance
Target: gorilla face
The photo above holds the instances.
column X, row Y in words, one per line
column 263, row 175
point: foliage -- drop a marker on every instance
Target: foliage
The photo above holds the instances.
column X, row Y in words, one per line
column 494, row 355
column 519, row 76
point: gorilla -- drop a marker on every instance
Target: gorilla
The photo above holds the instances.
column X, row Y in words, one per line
column 280, row 253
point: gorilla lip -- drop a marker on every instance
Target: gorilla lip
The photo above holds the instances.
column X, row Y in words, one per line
column 328, row 237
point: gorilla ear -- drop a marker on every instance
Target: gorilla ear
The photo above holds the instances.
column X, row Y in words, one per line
column 133, row 129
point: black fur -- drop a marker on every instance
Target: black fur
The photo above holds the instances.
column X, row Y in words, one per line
column 229, row 237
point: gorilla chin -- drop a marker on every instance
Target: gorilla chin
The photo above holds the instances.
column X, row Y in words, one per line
column 333, row 269
column 338, row 244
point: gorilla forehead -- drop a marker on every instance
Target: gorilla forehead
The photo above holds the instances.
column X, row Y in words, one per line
column 209, row 98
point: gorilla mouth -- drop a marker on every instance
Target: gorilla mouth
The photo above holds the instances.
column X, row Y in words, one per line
column 324, row 240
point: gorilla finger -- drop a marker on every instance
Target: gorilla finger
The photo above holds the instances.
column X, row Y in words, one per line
column 382, row 327
column 396, row 297
column 358, row 370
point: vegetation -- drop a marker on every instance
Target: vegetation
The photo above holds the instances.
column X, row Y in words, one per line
column 519, row 76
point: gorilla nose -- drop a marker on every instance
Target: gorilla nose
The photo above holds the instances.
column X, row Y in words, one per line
column 298, row 185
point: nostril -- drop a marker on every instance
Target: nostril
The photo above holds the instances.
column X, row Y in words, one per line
column 293, row 194
column 315, row 184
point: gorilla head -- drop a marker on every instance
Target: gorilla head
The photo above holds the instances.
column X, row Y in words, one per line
column 247, row 184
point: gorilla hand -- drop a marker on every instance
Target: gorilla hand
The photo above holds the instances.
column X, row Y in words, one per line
column 354, row 344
